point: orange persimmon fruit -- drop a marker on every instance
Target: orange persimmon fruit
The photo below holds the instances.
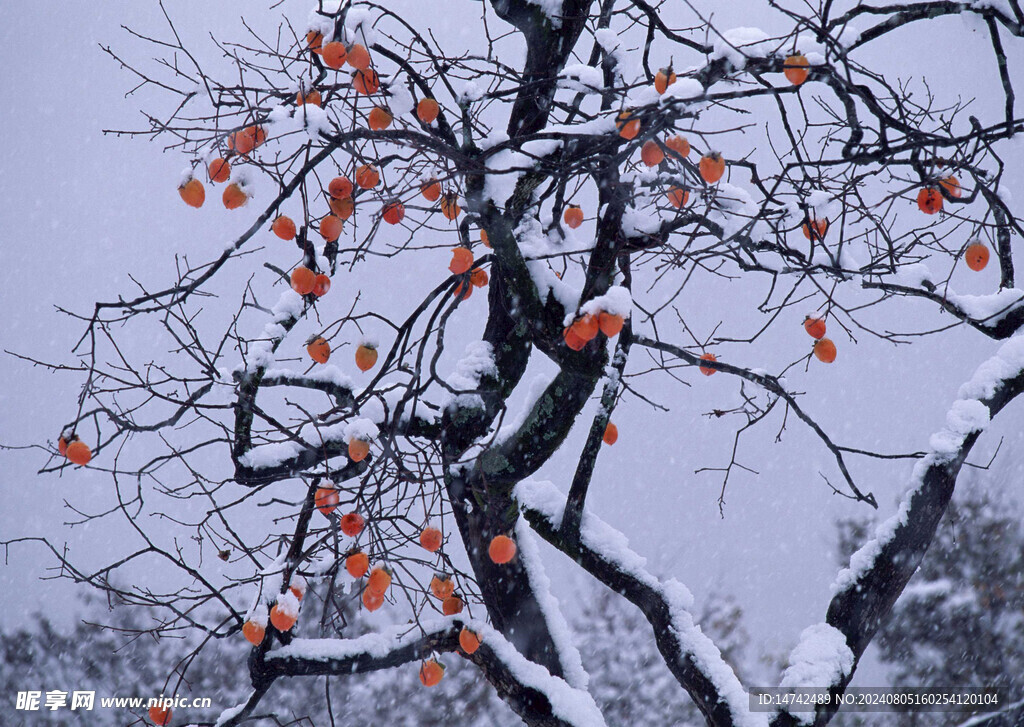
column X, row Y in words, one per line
column 319, row 349
column 431, row 673
column 573, row 216
column 326, row 500
column 427, row 110
column 358, row 450
column 303, row 280
column 825, row 350
column 334, row 55
column 284, row 227
column 815, row 327
column 219, row 170
column 707, row 370
column 795, row 69
column 192, row 193
column 366, row 357
column 502, row 549
column 976, row 255
column 462, row 260
column 711, row 167
column 430, row 539
column 352, row 524
column 357, row 564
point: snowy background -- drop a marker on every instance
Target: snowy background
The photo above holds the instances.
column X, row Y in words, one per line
column 82, row 209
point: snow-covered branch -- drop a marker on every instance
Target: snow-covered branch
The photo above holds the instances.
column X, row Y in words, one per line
column 690, row 655
column 866, row 591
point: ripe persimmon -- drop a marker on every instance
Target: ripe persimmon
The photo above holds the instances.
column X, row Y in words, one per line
column 378, row 119
column 976, row 256
column 311, row 97
column 358, row 450
column 357, row 564
column 796, row 69
column 245, row 140
column 234, row 196
column 679, row 145
column 452, row 605
column 366, row 357
column 573, row 339
column 929, row 200
column 160, row 716
column 323, row 284
column 707, row 370
column 379, row 580
column 610, row 323
column 62, row 444
column 192, row 192
column 282, row 618
column 393, row 212
column 430, row 539
column 815, row 327
column 628, row 125
column 367, row 176
column 372, row 601
column 342, row 208
column 298, row 585
column 611, row 434
column 825, row 350
column 462, row 260
column 441, row 586
column 331, row 227
column 427, row 110
column 818, row 226
column 502, row 549
column 573, row 216
column 469, row 641
column 352, row 524
column 283, row 227
column 315, row 41
column 359, row 57
column 478, row 277
column 334, row 55
column 651, row 154
column 303, row 280
column 678, row 197
column 586, row 327
column 319, row 349
column 450, row 206
column 326, row 500
column 340, row 187
column 431, row 673
column 78, row 452
column 711, row 167
column 663, row 79
column 219, row 170
column 485, row 239
column 462, row 290
column 253, row 632
column 366, row 82
column 431, row 190
column 952, row 186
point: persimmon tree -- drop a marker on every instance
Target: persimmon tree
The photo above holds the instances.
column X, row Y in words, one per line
column 555, row 194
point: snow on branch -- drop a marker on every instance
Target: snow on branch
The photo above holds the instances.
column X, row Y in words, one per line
column 878, row 572
column 690, row 655
column 528, row 687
